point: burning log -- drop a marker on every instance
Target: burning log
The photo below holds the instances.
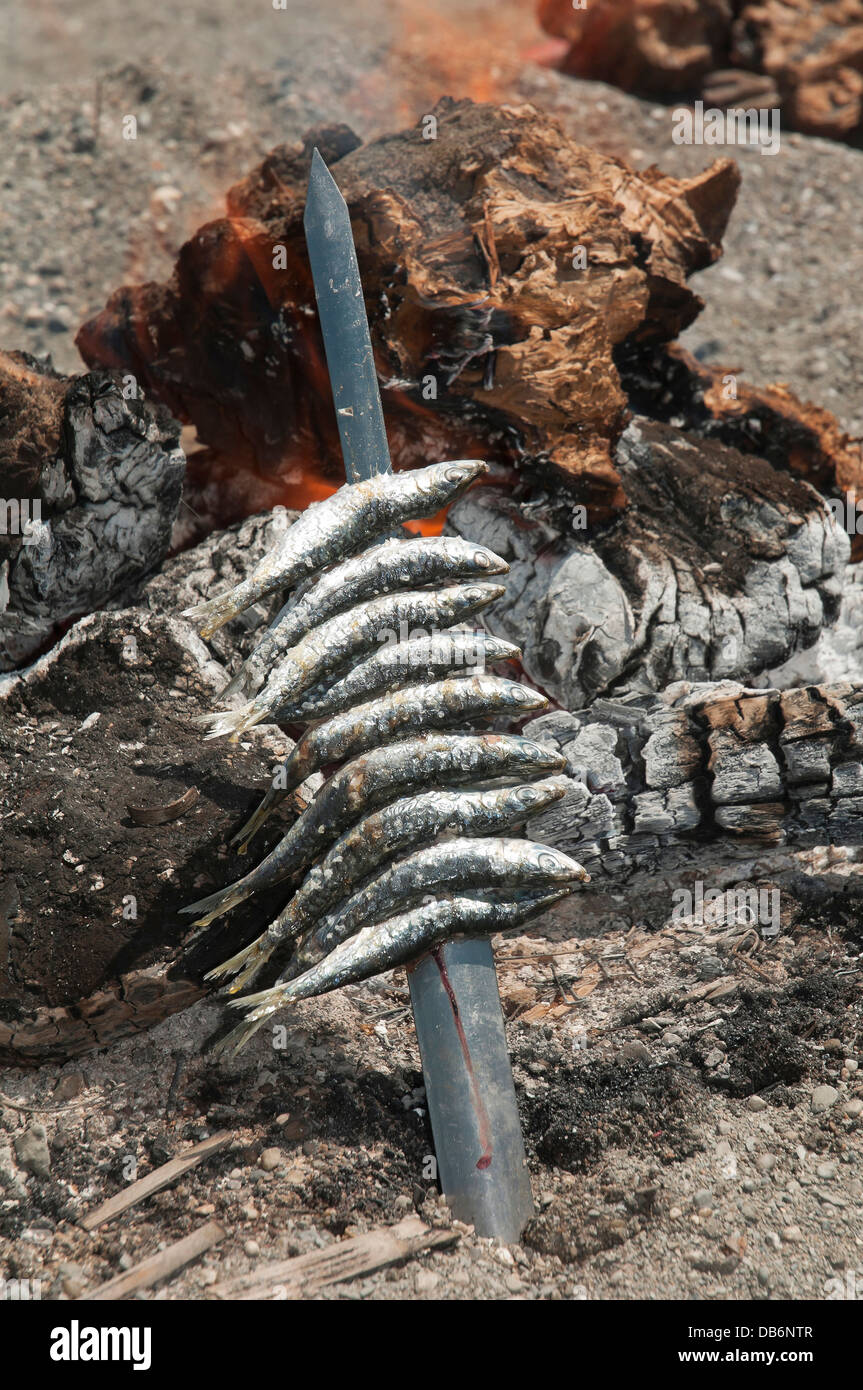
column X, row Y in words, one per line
column 93, row 480
column 504, row 267
column 806, row 59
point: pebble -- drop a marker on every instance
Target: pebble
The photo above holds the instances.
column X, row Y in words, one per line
column 71, row 1084
column 823, row 1098
column 792, row 1235
column 765, row 1163
column 826, row 1170
column 270, row 1159
column 703, row 1199
column 635, row 1052
column 748, row 1212
column 764, row 1276
column 426, row 1281
column 252, row 1247
column 31, row 1151
column 851, row 1064
column 513, row 1283
column 756, row 1104
column 854, row 1108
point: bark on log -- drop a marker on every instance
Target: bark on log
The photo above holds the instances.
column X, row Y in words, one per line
column 805, row 58
column 719, row 568
column 503, row 266
column 91, row 485
column 705, row 774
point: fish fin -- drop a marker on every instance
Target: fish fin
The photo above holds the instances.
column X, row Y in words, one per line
column 229, row 721
column 215, row 612
column 255, row 963
column 236, row 685
column 230, row 967
column 237, row 1038
column 215, row 905
column 252, row 826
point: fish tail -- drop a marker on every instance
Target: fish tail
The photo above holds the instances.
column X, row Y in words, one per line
column 215, row 612
column 230, row 967
column 256, row 962
column 244, row 836
column 217, row 904
column 230, row 721
column 262, row 1005
column 237, row 1038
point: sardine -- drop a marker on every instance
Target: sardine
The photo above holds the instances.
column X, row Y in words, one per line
column 450, row 864
column 357, row 632
column 374, row 779
column 385, row 568
column 459, row 700
column 398, row 664
column 393, row 942
column 339, row 526
column 405, row 823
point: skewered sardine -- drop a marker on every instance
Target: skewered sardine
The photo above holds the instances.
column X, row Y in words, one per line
column 383, row 569
column 375, row 778
column 340, row 526
column 390, row 943
column 458, row 864
column 398, row 664
column 460, row 700
column 405, row 823
column 357, row 632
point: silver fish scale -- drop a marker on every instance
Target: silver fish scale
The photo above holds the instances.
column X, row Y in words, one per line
column 399, row 785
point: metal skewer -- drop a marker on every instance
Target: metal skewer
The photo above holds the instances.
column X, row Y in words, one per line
column 456, row 1004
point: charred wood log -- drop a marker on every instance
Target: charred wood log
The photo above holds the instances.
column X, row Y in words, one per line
column 720, row 567
column 91, row 483
column 503, row 265
column 705, row 774
column 805, row 58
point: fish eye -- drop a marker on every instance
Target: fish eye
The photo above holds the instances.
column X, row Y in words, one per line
column 454, row 473
column 528, row 795
column 482, row 559
column 547, row 860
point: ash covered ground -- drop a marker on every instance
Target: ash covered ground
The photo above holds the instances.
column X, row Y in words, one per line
column 692, row 1107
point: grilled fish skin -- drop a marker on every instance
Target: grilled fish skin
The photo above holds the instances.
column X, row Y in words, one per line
column 380, row 836
column 332, row 645
column 398, row 664
column 339, row 526
column 439, row 705
column 375, row 778
column 384, row 568
column 385, row 945
column 450, row 864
